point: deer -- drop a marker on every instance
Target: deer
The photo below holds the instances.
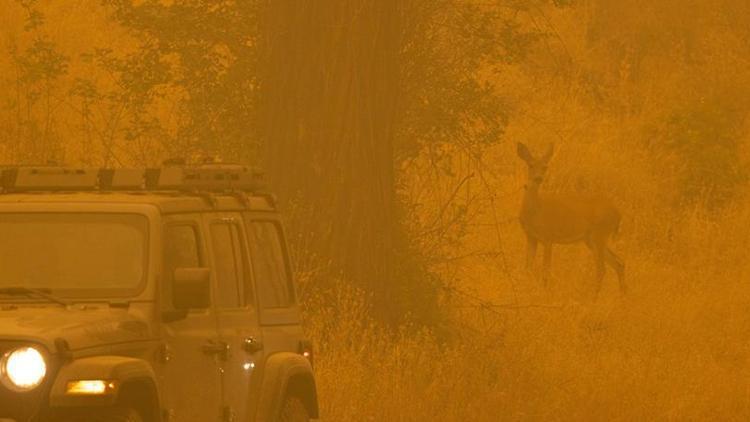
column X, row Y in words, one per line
column 567, row 219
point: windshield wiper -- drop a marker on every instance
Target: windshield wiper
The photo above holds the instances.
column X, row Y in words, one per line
column 30, row 292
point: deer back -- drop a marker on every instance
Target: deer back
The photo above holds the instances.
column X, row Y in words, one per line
column 567, row 218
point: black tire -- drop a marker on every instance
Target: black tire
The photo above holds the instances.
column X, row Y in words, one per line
column 110, row 414
column 120, row 414
column 293, row 410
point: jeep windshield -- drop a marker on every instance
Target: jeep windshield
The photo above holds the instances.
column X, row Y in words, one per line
column 73, row 254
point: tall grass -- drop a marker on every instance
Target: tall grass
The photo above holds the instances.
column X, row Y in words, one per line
column 675, row 348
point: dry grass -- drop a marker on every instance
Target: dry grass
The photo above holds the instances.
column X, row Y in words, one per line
column 676, row 348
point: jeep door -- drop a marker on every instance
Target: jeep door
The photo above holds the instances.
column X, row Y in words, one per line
column 190, row 378
column 279, row 313
column 236, row 312
column 273, row 277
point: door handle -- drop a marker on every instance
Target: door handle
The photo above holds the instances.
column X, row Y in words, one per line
column 252, row 344
column 216, row 347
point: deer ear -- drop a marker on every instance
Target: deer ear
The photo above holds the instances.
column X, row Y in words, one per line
column 523, row 152
column 550, row 151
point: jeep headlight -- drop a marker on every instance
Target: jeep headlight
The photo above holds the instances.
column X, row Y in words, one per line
column 23, row 369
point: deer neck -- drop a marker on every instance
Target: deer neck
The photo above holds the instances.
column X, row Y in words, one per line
column 530, row 202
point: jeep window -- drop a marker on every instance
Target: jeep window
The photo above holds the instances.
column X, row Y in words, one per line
column 74, row 254
column 269, row 264
column 180, row 248
column 232, row 281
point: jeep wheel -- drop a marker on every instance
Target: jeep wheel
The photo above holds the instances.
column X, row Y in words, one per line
column 120, row 414
column 293, row 410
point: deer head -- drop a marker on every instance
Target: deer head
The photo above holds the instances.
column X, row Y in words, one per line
column 537, row 166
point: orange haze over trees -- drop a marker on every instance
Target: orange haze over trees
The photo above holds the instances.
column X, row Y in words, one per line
column 390, row 130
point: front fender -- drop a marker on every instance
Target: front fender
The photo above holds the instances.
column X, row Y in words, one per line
column 284, row 372
column 121, row 369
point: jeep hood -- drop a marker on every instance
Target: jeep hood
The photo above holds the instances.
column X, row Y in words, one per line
column 81, row 327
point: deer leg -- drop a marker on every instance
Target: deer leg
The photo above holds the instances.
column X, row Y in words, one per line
column 599, row 257
column 598, row 250
column 616, row 263
column 547, row 262
column 530, row 252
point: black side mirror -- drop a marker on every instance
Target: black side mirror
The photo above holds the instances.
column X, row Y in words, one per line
column 190, row 288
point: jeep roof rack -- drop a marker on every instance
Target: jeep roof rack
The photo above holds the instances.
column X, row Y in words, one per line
column 200, row 178
column 35, row 178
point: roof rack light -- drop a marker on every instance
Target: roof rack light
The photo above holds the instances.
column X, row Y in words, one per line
column 122, row 179
column 49, row 178
column 208, row 177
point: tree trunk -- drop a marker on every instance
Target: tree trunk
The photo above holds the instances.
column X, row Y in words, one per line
column 328, row 111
